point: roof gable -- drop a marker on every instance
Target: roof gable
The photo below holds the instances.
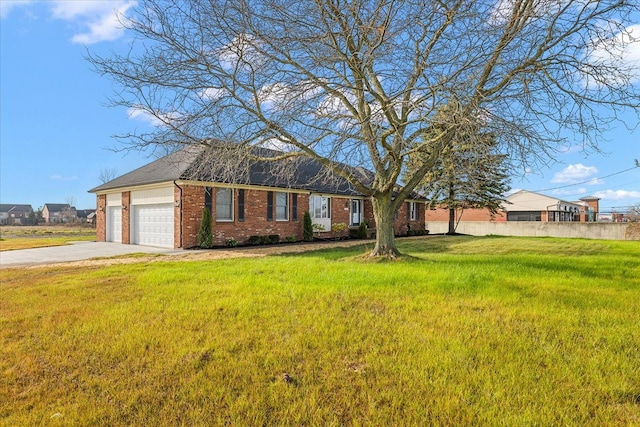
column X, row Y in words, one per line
column 168, row 168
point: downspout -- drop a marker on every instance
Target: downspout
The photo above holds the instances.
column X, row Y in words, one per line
column 180, row 206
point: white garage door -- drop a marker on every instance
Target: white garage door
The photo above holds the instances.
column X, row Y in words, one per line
column 114, row 224
column 152, row 225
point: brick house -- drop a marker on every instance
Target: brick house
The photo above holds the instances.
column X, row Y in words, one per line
column 57, row 213
column 161, row 204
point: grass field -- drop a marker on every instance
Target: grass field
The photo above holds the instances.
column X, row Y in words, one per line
column 23, row 237
column 461, row 331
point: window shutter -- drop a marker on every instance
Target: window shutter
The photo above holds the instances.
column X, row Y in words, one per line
column 269, row 205
column 408, row 204
column 241, row 205
column 294, row 206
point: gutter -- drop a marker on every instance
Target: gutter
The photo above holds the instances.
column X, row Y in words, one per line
column 180, row 219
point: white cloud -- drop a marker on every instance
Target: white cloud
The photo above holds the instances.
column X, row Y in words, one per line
column 100, row 18
column 239, row 52
column 573, row 174
column 277, row 144
column 211, row 93
column 621, row 52
column 7, row 5
column 139, row 113
column 58, row 177
column 617, row 194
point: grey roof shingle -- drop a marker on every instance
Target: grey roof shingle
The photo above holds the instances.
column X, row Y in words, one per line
column 187, row 164
column 167, row 168
column 9, row 208
column 57, row 207
column 194, row 163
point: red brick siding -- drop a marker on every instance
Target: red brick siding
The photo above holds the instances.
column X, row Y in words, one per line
column 101, row 218
column 255, row 219
column 400, row 224
column 442, row 214
column 190, row 215
column 126, row 217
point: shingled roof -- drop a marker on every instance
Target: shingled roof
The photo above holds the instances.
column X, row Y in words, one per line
column 191, row 164
column 16, row 209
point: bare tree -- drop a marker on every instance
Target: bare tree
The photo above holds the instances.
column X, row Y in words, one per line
column 107, row 174
column 71, row 201
column 360, row 82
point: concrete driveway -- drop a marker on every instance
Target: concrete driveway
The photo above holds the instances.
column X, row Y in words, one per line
column 74, row 252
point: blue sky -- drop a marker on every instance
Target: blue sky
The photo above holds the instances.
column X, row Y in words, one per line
column 56, row 130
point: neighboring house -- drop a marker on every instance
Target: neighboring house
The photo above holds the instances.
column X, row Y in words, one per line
column 526, row 205
column 161, row 204
column 57, row 213
column 14, row 214
column 86, row 215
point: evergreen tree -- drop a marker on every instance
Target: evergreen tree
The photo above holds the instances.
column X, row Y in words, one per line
column 471, row 173
column 307, row 228
column 205, row 235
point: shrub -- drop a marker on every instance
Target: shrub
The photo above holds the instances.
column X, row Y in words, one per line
column 254, row 240
column 339, row 227
column 307, row 229
column 291, row 239
column 274, row 238
column 264, row 240
column 232, row 243
column 205, row 235
column 361, row 232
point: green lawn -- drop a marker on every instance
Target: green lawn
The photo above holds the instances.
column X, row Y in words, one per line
column 461, row 331
column 28, row 237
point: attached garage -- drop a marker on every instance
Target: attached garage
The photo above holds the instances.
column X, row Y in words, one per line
column 152, row 217
column 152, row 225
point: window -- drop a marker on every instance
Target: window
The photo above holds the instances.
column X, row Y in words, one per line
column 208, row 198
column 224, row 204
column 294, row 206
column 240, row 205
column 282, row 206
column 269, row 205
column 319, row 207
column 412, row 211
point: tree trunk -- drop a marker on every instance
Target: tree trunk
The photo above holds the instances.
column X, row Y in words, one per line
column 452, row 221
column 452, row 210
column 384, row 213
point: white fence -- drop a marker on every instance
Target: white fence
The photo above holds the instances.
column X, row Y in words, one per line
column 585, row 230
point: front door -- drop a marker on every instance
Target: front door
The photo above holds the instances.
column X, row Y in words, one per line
column 356, row 212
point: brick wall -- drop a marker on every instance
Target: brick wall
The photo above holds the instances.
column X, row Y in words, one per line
column 255, row 219
column 442, row 214
column 101, row 218
column 190, row 215
column 401, row 220
column 126, row 217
